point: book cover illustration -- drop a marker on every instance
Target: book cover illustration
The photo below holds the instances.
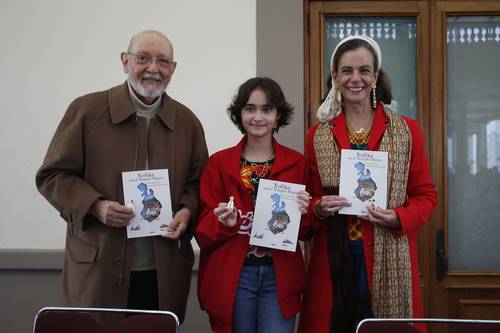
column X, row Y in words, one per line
column 363, row 180
column 279, row 217
column 276, row 218
column 148, row 193
column 151, row 207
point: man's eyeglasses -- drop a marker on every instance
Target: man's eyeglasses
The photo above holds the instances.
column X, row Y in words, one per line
column 145, row 59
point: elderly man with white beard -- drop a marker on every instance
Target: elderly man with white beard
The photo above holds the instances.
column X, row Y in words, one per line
column 133, row 126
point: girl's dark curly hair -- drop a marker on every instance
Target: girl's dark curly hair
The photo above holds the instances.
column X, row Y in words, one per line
column 275, row 98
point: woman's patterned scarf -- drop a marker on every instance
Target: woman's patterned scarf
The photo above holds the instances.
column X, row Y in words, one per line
column 391, row 295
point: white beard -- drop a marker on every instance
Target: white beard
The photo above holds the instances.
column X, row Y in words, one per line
column 139, row 89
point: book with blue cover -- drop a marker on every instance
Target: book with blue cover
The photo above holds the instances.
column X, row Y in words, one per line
column 276, row 218
column 148, row 193
column 363, row 180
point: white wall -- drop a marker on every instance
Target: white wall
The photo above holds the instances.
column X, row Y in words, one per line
column 53, row 51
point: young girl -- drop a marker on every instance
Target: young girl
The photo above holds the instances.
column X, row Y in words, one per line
column 245, row 288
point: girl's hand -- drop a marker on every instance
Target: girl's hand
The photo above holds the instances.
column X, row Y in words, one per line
column 226, row 216
column 303, row 200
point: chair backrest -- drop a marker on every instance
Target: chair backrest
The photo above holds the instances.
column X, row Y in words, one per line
column 376, row 325
column 475, row 327
column 372, row 326
column 80, row 320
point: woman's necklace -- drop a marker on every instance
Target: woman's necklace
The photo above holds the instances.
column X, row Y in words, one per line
column 361, row 136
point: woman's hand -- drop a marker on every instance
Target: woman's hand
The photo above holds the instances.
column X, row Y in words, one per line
column 329, row 205
column 303, row 200
column 383, row 217
column 226, row 216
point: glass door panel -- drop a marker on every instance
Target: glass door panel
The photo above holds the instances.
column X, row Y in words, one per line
column 397, row 39
column 473, row 44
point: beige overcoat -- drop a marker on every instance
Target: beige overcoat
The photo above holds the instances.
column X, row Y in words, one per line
column 98, row 138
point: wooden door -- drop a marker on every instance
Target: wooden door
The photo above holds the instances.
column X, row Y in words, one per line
column 465, row 118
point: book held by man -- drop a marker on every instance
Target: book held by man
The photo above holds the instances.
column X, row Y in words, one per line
column 148, row 193
column 363, row 180
column 276, row 218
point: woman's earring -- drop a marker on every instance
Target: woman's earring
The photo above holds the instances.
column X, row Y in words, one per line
column 337, row 99
column 374, row 96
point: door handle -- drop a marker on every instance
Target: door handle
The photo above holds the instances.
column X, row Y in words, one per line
column 441, row 258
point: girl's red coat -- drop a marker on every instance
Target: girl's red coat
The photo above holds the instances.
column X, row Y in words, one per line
column 223, row 249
